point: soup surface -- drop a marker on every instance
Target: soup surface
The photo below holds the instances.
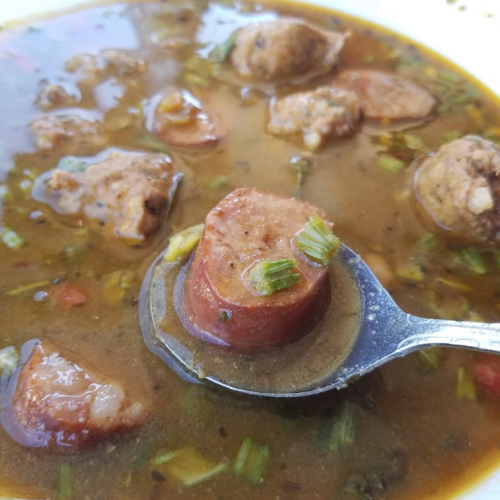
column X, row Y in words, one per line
column 419, row 426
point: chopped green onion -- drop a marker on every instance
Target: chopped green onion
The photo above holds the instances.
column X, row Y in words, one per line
column 343, row 429
column 11, row 238
column 65, row 489
column 301, row 167
column 474, row 261
column 146, row 141
column 9, row 358
column 217, row 182
column 410, row 272
column 448, row 76
column 454, row 284
column 182, row 244
column 466, row 388
column 260, row 464
column 72, row 164
column 317, row 241
column 206, row 475
column 28, row 288
column 269, row 276
column 163, row 458
column 241, row 459
column 390, row 163
column 221, row 52
column 427, row 242
column 430, row 358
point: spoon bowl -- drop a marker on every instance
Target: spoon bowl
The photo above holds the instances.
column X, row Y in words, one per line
column 385, row 332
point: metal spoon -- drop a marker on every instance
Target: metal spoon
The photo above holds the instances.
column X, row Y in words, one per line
column 386, row 332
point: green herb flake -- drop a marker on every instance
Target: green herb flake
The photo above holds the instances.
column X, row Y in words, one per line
column 430, row 358
column 342, row 433
column 219, row 182
column 474, row 260
column 269, row 276
column 466, row 388
column 263, row 458
column 221, row 52
column 65, row 489
column 317, row 241
column 390, row 163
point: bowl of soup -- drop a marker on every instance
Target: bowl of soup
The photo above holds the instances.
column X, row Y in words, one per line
column 125, row 127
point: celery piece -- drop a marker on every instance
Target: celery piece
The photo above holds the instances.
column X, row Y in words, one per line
column 183, row 243
column 221, row 52
column 390, row 163
column 9, row 358
column 474, row 260
column 65, row 489
column 410, row 272
column 256, row 474
column 241, row 459
column 466, row 388
column 342, row 433
column 269, row 276
column 28, row 288
column 317, row 241
column 430, row 358
column 11, row 238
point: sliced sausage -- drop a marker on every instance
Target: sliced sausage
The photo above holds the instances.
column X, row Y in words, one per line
column 284, row 48
column 387, row 96
column 126, row 191
column 248, row 226
column 60, row 404
column 315, row 117
column 459, row 186
column 182, row 120
column 72, row 132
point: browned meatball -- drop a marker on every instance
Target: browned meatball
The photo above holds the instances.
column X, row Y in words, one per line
column 315, row 117
column 129, row 192
column 73, row 133
column 180, row 119
column 284, row 48
column 248, row 226
column 59, row 403
column 387, row 96
column 459, row 187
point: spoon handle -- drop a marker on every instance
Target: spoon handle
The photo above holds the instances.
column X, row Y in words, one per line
column 428, row 332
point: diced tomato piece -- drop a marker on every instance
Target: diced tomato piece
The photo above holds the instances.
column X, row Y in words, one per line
column 72, row 296
column 487, row 372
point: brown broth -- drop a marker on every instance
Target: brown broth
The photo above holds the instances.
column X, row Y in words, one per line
column 401, row 412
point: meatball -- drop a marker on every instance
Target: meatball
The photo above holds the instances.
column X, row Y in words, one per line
column 246, row 227
column 180, row 119
column 73, row 133
column 387, row 96
column 459, row 186
column 52, row 96
column 58, row 403
column 315, row 117
column 284, row 48
column 129, row 191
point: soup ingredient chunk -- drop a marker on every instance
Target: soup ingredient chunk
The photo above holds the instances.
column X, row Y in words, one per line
column 284, row 48
column 109, row 61
column 386, row 96
column 459, row 187
column 126, row 191
column 53, row 96
column 58, row 402
column 181, row 120
column 246, row 231
column 315, row 117
column 71, row 132
column 487, row 372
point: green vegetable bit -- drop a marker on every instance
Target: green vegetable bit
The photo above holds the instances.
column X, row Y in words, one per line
column 390, row 163
column 217, row 182
column 269, row 276
column 164, row 458
column 466, row 388
column 65, row 489
column 264, row 457
column 252, row 460
column 9, row 358
column 146, row 141
column 11, row 238
column 72, row 164
column 317, row 241
column 343, row 429
column 474, row 261
column 448, row 76
column 241, row 459
column 28, row 288
column 427, row 242
column 221, row 52
column 182, row 244
column 430, row 358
